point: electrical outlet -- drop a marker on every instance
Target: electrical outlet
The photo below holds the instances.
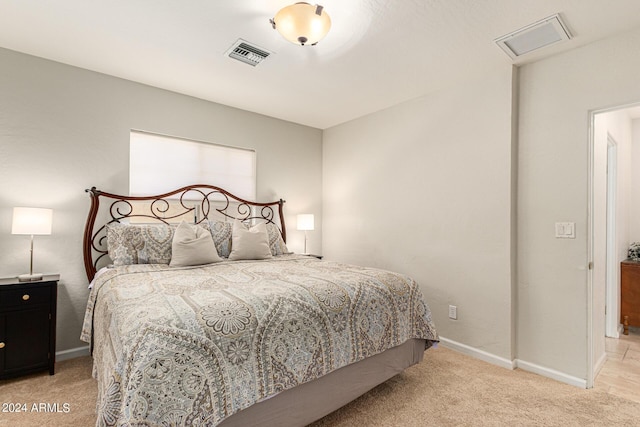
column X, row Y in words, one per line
column 453, row 312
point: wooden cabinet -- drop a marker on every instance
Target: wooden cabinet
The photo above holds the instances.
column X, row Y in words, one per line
column 27, row 326
column 629, row 294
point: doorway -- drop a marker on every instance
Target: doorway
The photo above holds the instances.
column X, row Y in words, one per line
column 611, row 207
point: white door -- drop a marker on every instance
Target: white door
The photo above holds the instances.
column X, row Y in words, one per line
column 612, row 283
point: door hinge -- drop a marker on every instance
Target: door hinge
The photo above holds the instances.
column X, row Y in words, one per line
column 590, row 266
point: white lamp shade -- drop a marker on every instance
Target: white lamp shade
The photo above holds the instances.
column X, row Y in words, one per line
column 305, row 222
column 32, row 221
column 302, row 23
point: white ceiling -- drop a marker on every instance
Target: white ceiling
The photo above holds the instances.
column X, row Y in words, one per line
column 377, row 54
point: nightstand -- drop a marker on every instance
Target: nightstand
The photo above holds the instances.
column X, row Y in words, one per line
column 629, row 294
column 28, row 325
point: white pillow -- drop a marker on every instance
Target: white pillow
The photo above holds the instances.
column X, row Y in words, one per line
column 192, row 245
column 252, row 243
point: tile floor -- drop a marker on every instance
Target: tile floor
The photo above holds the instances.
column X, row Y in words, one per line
column 620, row 374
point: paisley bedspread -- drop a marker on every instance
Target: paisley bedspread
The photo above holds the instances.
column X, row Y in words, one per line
column 191, row 346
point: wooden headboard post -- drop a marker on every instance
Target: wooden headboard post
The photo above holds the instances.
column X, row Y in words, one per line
column 283, row 227
column 89, row 266
column 181, row 201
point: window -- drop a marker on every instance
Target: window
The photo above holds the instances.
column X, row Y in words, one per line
column 158, row 164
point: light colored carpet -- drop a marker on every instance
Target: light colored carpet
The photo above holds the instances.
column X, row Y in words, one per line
column 71, row 385
column 451, row 389
column 446, row 389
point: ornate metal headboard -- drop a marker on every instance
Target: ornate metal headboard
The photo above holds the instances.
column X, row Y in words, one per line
column 195, row 202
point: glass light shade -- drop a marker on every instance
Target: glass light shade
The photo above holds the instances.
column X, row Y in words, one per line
column 32, row 221
column 305, row 222
column 302, row 23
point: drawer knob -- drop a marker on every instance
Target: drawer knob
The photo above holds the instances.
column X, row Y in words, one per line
column 25, row 297
column 1, row 345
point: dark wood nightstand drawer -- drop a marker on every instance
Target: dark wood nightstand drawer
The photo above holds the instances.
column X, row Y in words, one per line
column 27, row 326
column 24, row 297
column 629, row 294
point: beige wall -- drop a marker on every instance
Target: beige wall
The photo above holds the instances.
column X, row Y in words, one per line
column 64, row 129
column 556, row 97
column 424, row 188
column 443, row 163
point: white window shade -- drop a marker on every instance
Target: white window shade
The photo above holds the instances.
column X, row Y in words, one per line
column 159, row 164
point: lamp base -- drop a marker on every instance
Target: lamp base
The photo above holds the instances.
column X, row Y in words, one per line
column 30, row 277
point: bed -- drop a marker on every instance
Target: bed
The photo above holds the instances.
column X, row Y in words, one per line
column 255, row 336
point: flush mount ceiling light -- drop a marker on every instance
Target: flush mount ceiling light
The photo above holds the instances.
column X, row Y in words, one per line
column 543, row 33
column 302, row 23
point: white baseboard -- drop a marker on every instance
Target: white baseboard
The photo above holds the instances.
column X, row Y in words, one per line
column 599, row 364
column 72, row 353
column 617, row 332
column 551, row 373
column 517, row 363
column 477, row 354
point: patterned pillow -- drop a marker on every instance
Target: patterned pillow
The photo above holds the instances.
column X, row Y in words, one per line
column 139, row 244
column 276, row 243
column 221, row 232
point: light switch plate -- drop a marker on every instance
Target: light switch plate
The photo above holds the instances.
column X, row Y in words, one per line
column 453, row 312
column 565, row 230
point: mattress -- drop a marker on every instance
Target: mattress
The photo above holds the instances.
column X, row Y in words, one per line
column 196, row 345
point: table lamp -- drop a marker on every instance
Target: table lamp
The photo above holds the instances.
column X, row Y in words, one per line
column 305, row 222
column 31, row 221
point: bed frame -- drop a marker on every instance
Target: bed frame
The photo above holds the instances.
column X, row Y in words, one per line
column 196, row 203
column 294, row 407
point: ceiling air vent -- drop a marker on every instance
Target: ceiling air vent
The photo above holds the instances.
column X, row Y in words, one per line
column 248, row 53
column 543, row 33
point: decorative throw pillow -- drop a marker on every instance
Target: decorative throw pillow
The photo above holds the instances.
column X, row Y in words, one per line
column 276, row 243
column 252, row 243
column 139, row 244
column 192, row 245
column 221, row 233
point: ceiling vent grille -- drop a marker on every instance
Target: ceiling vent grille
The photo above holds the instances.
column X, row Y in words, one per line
column 248, row 53
column 543, row 33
